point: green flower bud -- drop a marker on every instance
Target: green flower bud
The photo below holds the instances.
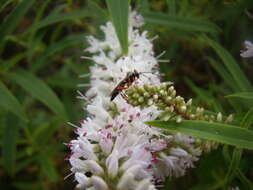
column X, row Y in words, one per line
column 140, row 99
column 183, row 108
column 146, row 94
column 136, row 95
column 179, row 119
column 189, row 102
column 155, row 97
column 219, row 117
column 150, row 102
column 168, row 99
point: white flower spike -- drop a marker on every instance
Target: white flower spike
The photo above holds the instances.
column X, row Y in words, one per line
column 248, row 52
column 115, row 149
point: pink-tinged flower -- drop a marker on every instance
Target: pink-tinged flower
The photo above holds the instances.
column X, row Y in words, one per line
column 82, row 180
column 99, row 183
column 248, row 52
column 145, row 185
column 112, row 163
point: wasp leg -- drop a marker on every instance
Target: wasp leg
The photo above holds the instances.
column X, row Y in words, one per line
column 123, row 95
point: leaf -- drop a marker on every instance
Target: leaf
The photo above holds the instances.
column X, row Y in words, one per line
column 223, row 73
column 13, row 18
column 25, row 163
column 47, row 167
column 44, row 133
column 172, row 6
column 245, row 181
column 205, row 95
column 234, row 165
column 38, row 89
column 244, row 95
column 69, row 41
column 97, row 11
column 59, row 17
column 240, row 79
column 10, row 135
column 119, row 12
column 10, row 103
column 180, row 22
column 237, row 153
column 8, row 64
column 247, row 119
column 222, row 133
column 5, row 4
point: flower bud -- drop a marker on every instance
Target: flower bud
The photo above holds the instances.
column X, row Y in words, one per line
column 99, row 183
column 150, row 102
column 155, row 96
column 189, row 102
column 219, row 117
column 140, row 99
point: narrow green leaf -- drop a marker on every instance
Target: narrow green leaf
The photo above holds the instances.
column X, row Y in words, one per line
column 227, row 77
column 8, row 64
column 247, row 184
column 10, row 135
column 119, row 12
column 237, row 153
column 244, row 95
column 26, row 185
column 222, row 133
column 205, row 95
column 97, row 11
column 39, row 90
column 5, row 4
column 234, row 165
column 69, row 41
column 180, row 22
column 25, row 163
column 247, row 119
column 59, row 17
column 172, row 6
column 10, row 103
column 44, row 133
column 240, row 79
column 13, row 18
column 47, row 167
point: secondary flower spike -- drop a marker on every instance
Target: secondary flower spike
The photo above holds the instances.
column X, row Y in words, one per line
column 248, row 52
column 114, row 149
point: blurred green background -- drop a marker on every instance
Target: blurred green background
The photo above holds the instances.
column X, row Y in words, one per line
column 40, row 46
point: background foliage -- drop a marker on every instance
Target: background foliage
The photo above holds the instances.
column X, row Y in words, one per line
column 40, row 46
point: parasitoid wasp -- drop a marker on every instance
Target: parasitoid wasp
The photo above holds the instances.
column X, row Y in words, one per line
column 125, row 84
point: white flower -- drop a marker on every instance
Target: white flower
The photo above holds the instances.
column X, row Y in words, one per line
column 249, row 50
column 99, row 183
column 82, row 179
column 136, row 20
